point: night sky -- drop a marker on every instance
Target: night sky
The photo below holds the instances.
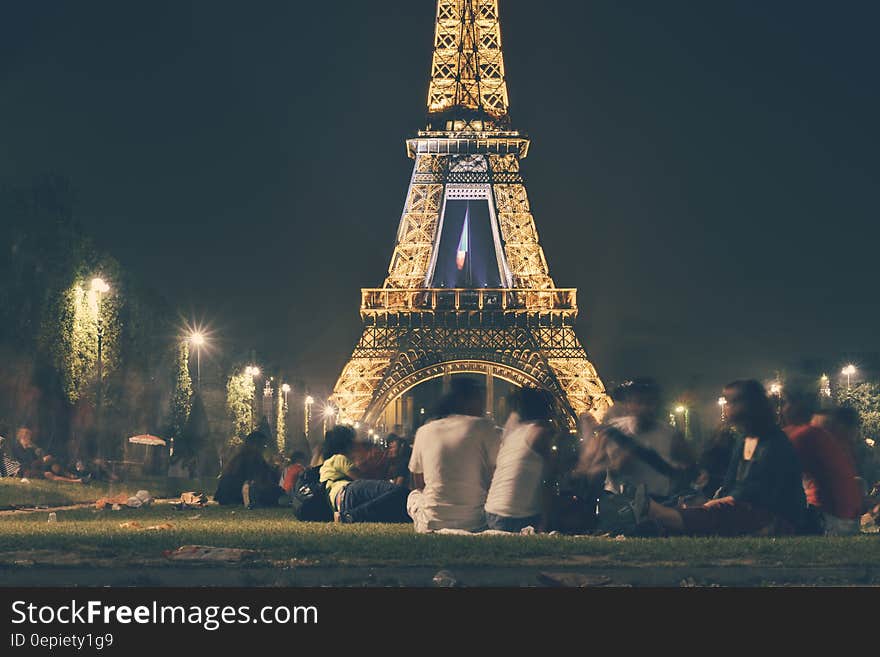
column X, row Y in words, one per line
column 705, row 173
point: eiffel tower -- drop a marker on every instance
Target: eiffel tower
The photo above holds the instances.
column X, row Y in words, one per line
column 421, row 324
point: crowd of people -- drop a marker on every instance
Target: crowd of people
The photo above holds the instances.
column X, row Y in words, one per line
column 764, row 473
column 790, row 468
column 25, row 459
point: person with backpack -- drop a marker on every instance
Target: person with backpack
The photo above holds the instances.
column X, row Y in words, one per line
column 352, row 498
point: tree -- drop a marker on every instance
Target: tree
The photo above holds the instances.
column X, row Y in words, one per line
column 865, row 398
column 194, row 436
column 181, row 400
column 239, row 404
column 280, row 421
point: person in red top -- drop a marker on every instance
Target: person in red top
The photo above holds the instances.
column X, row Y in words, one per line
column 829, row 473
column 291, row 473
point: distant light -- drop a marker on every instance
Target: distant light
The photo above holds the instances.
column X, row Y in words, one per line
column 680, row 409
column 849, row 370
column 775, row 389
column 869, row 442
column 197, row 339
column 722, row 401
column 285, row 388
column 255, row 371
column 98, row 285
column 329, row 411
column 422, row 411
column 309, row 400
column 357, row 425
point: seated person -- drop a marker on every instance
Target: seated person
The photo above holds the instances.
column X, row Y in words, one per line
column 94, row 470
column 247, row 478
column 516, row 495
column 713, row 461
column 397, row 462
column 9, row 467
column 54, row 471
column 635, row 447
column 844, row 423
column 762, row 492
column 352, row 498
column 452, row 462
column 25, row 451
column 296, row 465
column 829, row 472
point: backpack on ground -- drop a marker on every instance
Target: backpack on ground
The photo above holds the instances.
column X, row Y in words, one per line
column 309, row 497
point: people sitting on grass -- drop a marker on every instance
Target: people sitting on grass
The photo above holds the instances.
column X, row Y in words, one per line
column 247, row 478
column 844, row 424
column 762, row 493
column 452, row 462
column 397, row 465
column 829, row 473
column 635, row 447
column 352, row 498
column 296, row 464
column 516, row 497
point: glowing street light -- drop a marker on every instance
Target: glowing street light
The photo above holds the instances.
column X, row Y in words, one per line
column 100, row 286
column 285, row 388
column 681, row 409
column 849, row 371
column 824, row 386
column 776, row 389
column 722, row 402
column 197, row 340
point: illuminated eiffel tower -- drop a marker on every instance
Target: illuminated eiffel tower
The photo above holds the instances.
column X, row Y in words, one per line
column 514, row 324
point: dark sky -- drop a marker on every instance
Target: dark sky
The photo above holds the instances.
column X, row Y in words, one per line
column 706, row 173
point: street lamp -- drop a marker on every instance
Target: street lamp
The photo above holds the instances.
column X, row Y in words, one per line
column 683, row 410
column 252, row 371
column 848, row 372
column 722, row 402
column 197, row 340
column 329, row 414
column 285, row 388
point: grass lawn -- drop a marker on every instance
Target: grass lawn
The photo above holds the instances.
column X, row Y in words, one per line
column 98, row 537
column 41, row 492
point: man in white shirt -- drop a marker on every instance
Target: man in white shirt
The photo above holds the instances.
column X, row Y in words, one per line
column 452, row 462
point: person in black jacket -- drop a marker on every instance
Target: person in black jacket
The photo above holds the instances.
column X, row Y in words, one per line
column 248, row 479
column 762, row 492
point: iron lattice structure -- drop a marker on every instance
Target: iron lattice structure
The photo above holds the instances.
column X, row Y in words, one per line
column 522, row 332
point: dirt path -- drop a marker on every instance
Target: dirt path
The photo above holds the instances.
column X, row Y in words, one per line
column 70, row 507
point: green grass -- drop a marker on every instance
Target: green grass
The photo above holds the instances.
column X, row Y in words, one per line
column 41, row 492
column 96, row 536
column 278, row 536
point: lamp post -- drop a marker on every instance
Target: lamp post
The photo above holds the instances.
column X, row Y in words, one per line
column 848, row 372
column 824, row 390
column 197, row 340
column 722, row 402
column 329, row 414
column 253, row 372
column 776, row 393
column 285, row 388
column 683, row 410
